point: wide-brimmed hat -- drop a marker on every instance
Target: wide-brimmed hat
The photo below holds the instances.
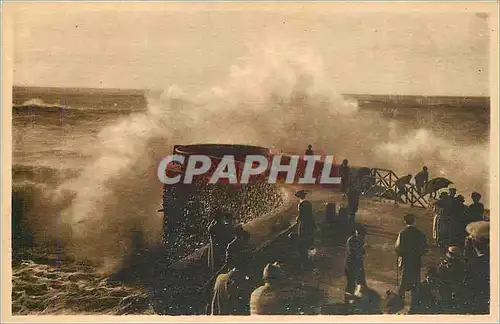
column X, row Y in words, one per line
column 301, row 193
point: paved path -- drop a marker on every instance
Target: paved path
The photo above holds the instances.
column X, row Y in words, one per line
column 383, row 220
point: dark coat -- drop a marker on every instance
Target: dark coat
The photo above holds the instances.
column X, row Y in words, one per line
column 238, row 253
column 411, row 245
column 451, row 272
column 306, row 223
column 220, row 236
column 422, row 177
column 427, row 294
column 475, row 212
column 355, row 253
column 344, row 178
column 353, row 200
column 354, row 267
column 458, row 223
column 477, row 284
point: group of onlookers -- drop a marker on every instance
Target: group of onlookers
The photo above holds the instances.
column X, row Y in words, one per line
column 458, row 284
column 452, row 217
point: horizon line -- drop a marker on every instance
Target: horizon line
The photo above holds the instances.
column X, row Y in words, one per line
column 104, row 89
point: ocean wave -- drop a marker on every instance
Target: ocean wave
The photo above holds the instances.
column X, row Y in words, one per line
column 279, row 98
column 41, row 174
column 38, row 105
column 71, row 288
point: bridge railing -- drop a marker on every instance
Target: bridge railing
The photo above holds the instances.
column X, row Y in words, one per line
column 383, row 182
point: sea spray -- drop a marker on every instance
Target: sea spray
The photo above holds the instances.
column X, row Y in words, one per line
column 278, row 97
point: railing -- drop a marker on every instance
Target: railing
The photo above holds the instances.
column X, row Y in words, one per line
column 383, row 181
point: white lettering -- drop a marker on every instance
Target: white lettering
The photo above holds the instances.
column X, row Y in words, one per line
column 248, row 168
column 192, row 170
column 226, row 161
column 308, row 174
column 162, row 168
column 290, row 169
column 325, row 174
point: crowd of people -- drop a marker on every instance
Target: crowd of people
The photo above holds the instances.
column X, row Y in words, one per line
column 452, row 217
column 459, row 283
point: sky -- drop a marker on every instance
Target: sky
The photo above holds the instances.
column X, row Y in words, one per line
column 152, row 47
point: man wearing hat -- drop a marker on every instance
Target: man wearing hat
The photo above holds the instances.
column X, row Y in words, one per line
column 269, row 299
column 410, row 246
column 306, row 226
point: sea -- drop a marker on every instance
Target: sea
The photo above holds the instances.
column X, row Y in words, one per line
column 84, row 168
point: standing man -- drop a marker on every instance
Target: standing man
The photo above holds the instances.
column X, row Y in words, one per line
column 410, row 246
column 344, row 177
column 475, row 211
column 309, row 150
column 354, row 268
column 306, row 226
column 220, row 236
column 353, row 195
column 421, row 180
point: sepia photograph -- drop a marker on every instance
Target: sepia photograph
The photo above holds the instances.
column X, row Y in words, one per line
column 244, row 159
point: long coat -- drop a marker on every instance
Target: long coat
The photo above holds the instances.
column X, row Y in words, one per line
column 220, row 236
column 344, row 178
column 353, row 200
column 231, row 294
column 410, row 246
column 354, row 259
column 306, row 223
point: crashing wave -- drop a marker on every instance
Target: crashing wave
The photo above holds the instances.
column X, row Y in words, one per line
column 39, row 105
